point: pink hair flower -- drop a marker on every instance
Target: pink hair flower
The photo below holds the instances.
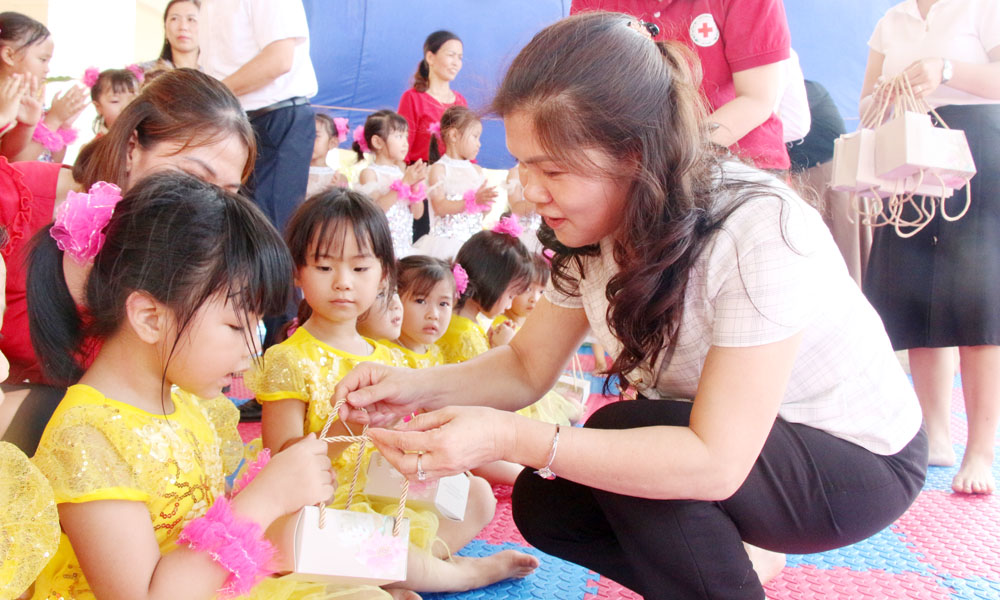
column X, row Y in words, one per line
column 79, row 224
column 461, row 278
column 434, row 129
column 359, row 138
column 509, row 226
column 90, row 76
column 547, row 254
column 343, row 129
column 137, row 71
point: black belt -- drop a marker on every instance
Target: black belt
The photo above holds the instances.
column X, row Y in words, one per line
column 260, row 112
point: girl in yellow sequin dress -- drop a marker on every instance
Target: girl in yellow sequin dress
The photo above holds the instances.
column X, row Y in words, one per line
column 427, row 290
column 342, row 250
column 135, row 454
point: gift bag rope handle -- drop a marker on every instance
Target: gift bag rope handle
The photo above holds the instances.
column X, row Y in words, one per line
column 363, row 440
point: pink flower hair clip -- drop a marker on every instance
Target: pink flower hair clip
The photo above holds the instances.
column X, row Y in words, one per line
column 461, row 278
column 509, row 226
column 140, row 75
column 79, row 224
column 547, row 254
column 343, row 129
column 435, row 129
column 359, row 138
column 90, row 77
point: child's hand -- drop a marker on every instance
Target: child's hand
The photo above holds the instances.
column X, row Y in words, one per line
column 502, row 334
column 12, row 90
column 297, row 476
column 30, row 111
column 66, row 107
column 486, row 195
column 415, row 173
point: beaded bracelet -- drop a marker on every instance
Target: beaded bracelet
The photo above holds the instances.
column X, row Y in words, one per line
column 237, row 544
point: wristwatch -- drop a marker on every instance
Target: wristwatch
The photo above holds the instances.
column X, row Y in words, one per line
column 947, row 70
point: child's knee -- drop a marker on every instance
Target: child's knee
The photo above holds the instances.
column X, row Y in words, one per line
column 482, row 503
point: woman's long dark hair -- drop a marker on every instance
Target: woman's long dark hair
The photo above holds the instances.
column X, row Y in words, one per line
column 173, row 236
column 433, row 43
column 590, row 81
column 167, row 53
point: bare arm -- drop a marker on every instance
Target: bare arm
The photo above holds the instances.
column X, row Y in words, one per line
column 756, row 94
column 507, row 377
column 439, row 202
column 273, row 61
column 386, row 200
column 116, row 544
column 734, row 409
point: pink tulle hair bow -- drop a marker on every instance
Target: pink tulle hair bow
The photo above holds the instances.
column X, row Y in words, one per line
column 79, row 224
column 343, row 129
column 359, row 137
column 547, row 254
column 509, row 226
column 461, row 278
column 435, row 129
column 90, row 77
column 140, row 75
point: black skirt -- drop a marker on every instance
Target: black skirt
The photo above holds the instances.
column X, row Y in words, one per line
column 941, row 287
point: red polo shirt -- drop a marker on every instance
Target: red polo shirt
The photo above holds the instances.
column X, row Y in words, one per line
column 420, row 109
column 728, row 36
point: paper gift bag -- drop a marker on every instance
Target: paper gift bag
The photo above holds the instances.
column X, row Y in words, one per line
column 909, row 145
column 446, row 496
column 854, row 165
column 352, row 548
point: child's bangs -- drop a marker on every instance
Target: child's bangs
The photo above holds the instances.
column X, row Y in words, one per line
column 420, row 284
column 330, row 238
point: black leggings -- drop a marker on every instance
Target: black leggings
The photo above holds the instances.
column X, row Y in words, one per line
column 808, row 492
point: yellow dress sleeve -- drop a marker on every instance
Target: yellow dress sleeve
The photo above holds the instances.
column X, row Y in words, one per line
column 224, row 418
column 282, row 373
column 83, row 463
column 29, row 522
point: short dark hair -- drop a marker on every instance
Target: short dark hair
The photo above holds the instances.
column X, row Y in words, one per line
column 418, row 274
column 493, row 262
column 382, row 123
column 21, row 30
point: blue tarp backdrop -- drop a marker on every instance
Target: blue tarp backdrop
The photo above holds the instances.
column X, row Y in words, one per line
column 365, row 52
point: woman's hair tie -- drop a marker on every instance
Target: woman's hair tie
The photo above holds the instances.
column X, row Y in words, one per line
column 80, row 221
column 359, row 138
column 461, row 278
column 509, row 226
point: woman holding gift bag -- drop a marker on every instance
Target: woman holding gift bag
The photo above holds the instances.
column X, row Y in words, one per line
column 773, row 410
column 939, row 288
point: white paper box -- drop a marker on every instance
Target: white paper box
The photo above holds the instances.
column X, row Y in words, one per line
column 446, row 496
column 353, row 548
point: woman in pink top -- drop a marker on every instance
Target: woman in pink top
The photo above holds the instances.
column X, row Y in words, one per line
column 430, row 96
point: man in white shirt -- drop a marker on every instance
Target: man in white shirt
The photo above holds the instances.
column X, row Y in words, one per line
column 260, row 50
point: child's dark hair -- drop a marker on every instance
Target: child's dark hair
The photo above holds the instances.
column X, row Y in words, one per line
column 382, row 123
column 493, row 262
column 321, row 223
column 455, row 118
column 173, row 236
column 433, row 43
column 118, row 81
column 540, row 269
column 419, row 274
column 21, row 30
column 327, row 123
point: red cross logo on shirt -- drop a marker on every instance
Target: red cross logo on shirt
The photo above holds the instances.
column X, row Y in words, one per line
column 703, row 30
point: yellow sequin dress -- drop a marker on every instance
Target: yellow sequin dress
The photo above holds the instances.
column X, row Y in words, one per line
column 95, row 448
column 416, row 360
column 29, row 522
column 465, row 339
column 306, row 369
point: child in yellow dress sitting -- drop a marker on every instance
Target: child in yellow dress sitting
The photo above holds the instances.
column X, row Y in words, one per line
column 135, row 453
column 342, row 250
column 427, row 290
